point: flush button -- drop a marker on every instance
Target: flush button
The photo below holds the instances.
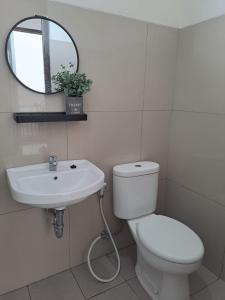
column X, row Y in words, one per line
column 138, row 166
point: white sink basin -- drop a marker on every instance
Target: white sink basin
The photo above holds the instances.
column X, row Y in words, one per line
column 73, row 181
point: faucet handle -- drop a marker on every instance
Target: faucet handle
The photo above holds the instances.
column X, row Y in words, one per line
column 52, row 158
column 52, row 161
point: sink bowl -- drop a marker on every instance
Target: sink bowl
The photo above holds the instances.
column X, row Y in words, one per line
column 73, row 181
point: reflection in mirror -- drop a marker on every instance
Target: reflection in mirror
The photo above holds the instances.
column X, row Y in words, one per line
column 36, row 48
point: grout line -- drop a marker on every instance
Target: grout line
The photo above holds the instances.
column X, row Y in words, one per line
column 104, row 255
column 198, row 112
column 102, row 292
column 133, row 290
column 77, row 283
column 171, row 109
column 16, row 211
column 156, row 110
column 222, row 266
column 30, row 208
column 205, row 287
column 14, row 290
column 195, row 192
column 132, row 277
column 138, row 110
column 115, row 266
column 69, row 238
column 45, row 278
column 175, row 70
column 125, row 281
column 121, row 249
column 143, row 93
column 103, row 111
column 28, row 288
column 67, row 140
column 141, row 137
column 168, row 145
column 124, row 111
column 105, row 291
column 145, row 67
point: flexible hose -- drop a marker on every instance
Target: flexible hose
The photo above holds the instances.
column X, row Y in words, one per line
column 101, row 196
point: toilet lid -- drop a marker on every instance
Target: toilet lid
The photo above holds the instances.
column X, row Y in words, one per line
column 170, row 239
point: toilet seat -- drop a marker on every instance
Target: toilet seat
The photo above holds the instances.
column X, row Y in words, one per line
column 169, row 239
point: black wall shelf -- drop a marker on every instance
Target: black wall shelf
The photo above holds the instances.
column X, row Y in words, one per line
column 47, row 117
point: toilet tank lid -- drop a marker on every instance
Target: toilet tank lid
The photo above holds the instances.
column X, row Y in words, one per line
column 136, row 169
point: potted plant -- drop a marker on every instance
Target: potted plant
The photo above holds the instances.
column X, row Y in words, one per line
column 74, row 85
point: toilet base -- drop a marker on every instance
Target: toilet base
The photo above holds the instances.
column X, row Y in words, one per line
column 161, row 286
column 148, row 288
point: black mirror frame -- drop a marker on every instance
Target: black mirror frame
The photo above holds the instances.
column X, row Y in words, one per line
column 6, row 49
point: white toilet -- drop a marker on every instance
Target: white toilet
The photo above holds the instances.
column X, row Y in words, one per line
column 167, row 250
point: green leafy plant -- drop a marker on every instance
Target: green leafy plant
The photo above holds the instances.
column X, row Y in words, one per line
column 71, row 83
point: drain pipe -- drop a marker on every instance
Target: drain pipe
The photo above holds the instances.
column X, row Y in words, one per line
column 58, row 224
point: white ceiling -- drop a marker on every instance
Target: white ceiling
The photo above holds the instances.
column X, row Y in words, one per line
column 195, row 11
column 174, row 13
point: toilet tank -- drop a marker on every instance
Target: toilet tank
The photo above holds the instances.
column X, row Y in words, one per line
column 135, row 187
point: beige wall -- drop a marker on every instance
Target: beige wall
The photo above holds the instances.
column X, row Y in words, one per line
column 132, row 65
column 196, row 186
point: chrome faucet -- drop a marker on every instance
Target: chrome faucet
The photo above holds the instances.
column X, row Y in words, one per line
column 52, row 160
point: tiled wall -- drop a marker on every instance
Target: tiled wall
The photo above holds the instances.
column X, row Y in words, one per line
column 132, row 65
column 196, row 186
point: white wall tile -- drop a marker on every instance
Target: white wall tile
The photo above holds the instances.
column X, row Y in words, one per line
column 29, row 249
column 160, row 67
column 197, row 153
column 205, row 217
column 24, row 144
column 112, row 53
column 155, row 138
column 201, row 68
column 107, row 139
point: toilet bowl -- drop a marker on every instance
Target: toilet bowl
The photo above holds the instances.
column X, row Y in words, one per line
column 167, row 250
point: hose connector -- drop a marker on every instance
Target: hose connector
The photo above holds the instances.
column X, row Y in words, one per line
column 102, row 190
column 104, row 235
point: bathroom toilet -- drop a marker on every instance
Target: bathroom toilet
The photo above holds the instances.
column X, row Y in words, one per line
column 167, row 250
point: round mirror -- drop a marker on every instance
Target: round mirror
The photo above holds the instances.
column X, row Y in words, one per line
column 36, row 49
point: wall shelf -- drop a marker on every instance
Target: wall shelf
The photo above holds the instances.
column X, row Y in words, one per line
column 47, row 117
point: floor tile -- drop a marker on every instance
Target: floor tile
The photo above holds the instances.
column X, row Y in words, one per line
column 90, row 286
column 201, row 279
column 121, row 292
column 21, row 294
column 215, row 291
column 138, row 289
column 128, row 257
column 59, row 287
